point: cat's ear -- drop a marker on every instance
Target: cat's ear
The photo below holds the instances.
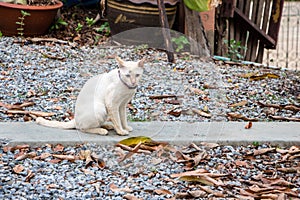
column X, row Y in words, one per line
column 120, row 61
column 141, row 62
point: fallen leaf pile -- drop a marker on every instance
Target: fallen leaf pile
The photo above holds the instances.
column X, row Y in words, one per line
column 245, row 174
column 18, row 109
column 204, row 170
column 22, row 152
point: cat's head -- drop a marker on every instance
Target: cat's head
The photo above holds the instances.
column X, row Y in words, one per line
column 130, row 72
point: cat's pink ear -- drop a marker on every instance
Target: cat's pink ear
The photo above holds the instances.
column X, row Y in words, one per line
column 141, row 62
column 120, row 61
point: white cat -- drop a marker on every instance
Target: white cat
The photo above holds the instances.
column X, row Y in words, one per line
column 103, row 97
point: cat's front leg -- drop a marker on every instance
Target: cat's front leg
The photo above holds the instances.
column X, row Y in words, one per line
column 115, row 119
column 123, row 118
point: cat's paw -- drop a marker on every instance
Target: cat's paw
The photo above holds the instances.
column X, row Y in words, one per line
column 122, row 132
column 128, row 128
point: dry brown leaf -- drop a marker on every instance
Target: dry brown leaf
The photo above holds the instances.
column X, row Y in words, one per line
column 294, row 149
column 18, row 169
column 127, row 148
column 295, row 119
column 115, row 188
column 18, row 147
column 43, row 156
column 249, row 125
column 240, row 116
column 133, row 151
column 289, row 169
column 294, row 157
column 201, row 179
column 29, row 176
column 238, row 104
column 209, row 86
column 131, row 197
column 189, row 173
column 16, row 106
column 65, row 157
column 173, row 101
column 260, row 190
column 241, row 163
column 181, row 157
column 201, row 113
column 175, row 112
column 197, row 194
column 86, row 155
column 23, row 112
column 58, row 147
column 263, row 151
column 248, row 193
column 292, row 108
column 197, row 91
column 26, row 155
column 163, row 96
column 162, row 191
column 52, row 186
column 55, row 161
column 100, row 163
column 210, row 191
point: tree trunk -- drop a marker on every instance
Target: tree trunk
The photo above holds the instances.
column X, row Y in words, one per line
column 195, row 30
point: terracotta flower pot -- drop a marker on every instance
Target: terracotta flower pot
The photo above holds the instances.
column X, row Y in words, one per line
column 38, row 23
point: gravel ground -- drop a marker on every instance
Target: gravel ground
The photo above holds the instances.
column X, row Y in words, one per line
column 51, row 75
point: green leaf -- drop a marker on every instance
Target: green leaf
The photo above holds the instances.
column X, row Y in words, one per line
column 24, row 13
column 198, row 5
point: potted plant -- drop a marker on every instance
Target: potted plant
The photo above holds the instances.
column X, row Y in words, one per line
column 27, row 17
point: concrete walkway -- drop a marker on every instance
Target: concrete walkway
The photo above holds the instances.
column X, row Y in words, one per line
column 233, row 133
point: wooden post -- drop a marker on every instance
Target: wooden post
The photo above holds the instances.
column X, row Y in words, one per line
column 165, row 30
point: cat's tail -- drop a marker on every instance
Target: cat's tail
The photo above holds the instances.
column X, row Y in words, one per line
column 56, row 124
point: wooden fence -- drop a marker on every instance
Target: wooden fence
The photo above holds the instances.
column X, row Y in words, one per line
column 255, row 23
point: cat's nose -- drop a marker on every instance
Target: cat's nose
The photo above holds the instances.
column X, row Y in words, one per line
column 133, row 81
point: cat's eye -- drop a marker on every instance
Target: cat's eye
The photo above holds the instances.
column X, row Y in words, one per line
column 127, row 75
column 137, row 75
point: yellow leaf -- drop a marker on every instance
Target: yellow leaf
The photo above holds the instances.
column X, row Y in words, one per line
column 248, row 75
column 263, row 76
column 133, row 141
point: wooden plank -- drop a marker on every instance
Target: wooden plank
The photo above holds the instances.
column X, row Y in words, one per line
column 258, row 22
column 238, row 30
column 252, row 36
column 244, row 32
column 165, row 30
column 253, row 27
column 275, row 19
column 266, row 18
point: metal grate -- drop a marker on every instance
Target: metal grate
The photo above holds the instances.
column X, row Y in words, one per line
column 286, row 55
